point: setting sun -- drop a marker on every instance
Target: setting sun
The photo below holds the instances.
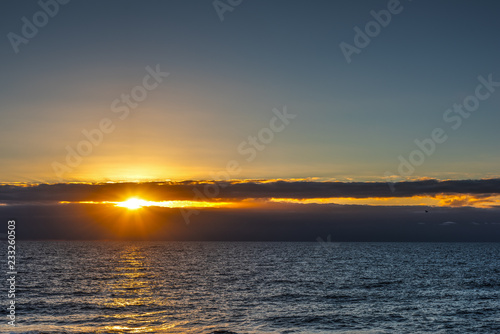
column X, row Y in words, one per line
column 132, row 203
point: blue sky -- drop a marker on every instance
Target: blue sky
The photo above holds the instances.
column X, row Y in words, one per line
column 353, row 120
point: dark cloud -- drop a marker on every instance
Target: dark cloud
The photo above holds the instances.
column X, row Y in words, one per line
column 40, row 217
column 238, row 190
column 293, row 222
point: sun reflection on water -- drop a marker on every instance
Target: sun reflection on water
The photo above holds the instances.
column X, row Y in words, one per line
column 131, row 295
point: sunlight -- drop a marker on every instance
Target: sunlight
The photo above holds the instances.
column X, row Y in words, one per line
column 441, row 200
column 133, row 203
column 137, row 203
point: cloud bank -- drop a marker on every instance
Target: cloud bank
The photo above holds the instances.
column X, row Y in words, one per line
column 239, row 190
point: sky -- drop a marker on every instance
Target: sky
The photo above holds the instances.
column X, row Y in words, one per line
column 310, row 93
column 225, row 77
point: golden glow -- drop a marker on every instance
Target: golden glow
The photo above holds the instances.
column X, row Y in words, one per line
column 469, row 200
column 375, row 201
column 443, row 200
column 134, row 286
column 133, row 203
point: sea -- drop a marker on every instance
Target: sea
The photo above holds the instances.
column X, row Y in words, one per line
column 253, row 287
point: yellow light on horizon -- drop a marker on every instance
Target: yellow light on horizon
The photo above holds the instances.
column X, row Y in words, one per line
column 441, row 200
column 133, row 203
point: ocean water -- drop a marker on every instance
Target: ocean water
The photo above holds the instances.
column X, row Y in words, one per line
column 252, row 287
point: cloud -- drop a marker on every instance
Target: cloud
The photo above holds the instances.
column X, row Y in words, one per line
column 447, row 223
column 292, row 222
column 240, row 190
column 39, row 216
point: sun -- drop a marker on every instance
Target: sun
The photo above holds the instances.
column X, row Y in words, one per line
column 132, row 203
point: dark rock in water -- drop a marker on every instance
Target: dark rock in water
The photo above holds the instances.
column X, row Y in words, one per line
column 222, row 332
